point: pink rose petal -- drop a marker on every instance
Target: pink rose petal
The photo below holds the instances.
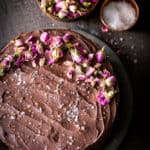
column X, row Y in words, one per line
column 104, row 29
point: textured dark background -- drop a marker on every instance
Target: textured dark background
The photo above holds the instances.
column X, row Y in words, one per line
column 132, row 47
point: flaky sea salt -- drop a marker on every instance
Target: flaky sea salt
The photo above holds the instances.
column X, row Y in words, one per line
column 72, row 114
column 119, row 15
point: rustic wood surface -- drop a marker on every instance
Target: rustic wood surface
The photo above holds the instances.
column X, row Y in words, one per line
column 132, row 47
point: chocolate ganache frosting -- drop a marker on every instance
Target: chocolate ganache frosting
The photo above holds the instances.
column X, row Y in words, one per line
column 57, row 92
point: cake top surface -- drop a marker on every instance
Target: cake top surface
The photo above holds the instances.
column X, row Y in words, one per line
column 58, row 91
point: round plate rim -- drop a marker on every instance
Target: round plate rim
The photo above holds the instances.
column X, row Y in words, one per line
column 126, row 95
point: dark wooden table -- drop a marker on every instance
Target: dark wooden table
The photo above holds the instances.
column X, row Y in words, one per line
column 132, row 47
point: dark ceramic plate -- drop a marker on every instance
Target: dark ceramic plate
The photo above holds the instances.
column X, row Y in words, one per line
column 126, row 101
column 121, row 125
column 23, row 15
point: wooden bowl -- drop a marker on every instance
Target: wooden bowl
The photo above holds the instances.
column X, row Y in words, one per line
column 67, row 19
column 132, row 2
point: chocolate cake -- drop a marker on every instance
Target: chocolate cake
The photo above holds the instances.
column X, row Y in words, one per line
column 67, row 10
column 58, row 91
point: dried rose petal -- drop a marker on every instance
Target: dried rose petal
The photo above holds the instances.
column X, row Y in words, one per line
column 85, row 63
column 81, row 77
column 19, row 50
column 33, row 50
column 4, row 62
column 102, row 99
column 79, row 47
column 18, row 42
column 97, row 80
column 90, row 71
column 69, row 63
column 102, row 84
column 86, row 4
column 81, row 1
column 56, row 54
column 70, row 74
column 105, row 73
column 28, row 55
column 97, row 66
column 90, row 56
column 78, row 69
column 89, row 79
column 29, row 40
column 84, row 12
column 73, row 8
column 62, row 4
column 42, row 62
column 51, row 61
column 19, row 61
column 94, row 1
column 9, row 58
column 76, row 14
column 67, row 37
column 44, row 37
column 56, row 41
column 76, row 56
column 39, row 47
column 62, row 14
column 104, row 29
column 33, row 63
column 100, row 55
column 56, row 1
column 88, row 61
column 110, row 94
column 43, row 3
column 55, row 9
column 110, row 81
column 94, row 82
column 22, row 48
column 48, row 53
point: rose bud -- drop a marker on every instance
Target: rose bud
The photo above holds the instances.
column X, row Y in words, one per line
column 70, row 74
column 42, row 62
column 102, row 99
column 44, row 37
column 110, row 81
column 62, row 5
column 43, row 3
column 18, row 42
column 90, row 71
column 67, row 37
column 62, row 14
column 73, row 8
column 76, row 56
column 100, row 55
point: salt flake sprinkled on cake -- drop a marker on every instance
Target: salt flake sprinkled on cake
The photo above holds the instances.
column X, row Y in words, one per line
column 72, row 114
column 70, row 140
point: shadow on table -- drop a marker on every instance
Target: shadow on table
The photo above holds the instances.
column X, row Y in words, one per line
column 143, row 22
